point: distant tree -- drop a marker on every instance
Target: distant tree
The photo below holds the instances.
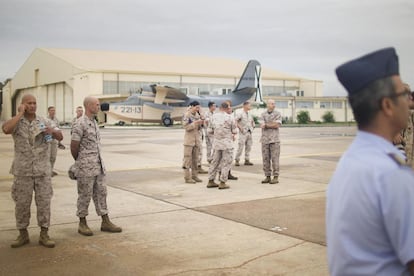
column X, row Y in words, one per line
column 328, row 117
column 303, row 117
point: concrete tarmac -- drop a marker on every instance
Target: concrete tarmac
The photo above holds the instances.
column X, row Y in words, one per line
column 173, row 228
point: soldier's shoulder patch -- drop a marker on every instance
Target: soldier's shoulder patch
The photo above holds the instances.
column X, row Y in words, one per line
column 398, row 159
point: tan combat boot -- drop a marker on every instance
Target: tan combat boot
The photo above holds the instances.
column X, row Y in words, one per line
column 275, row 180
column 187, row 177
column 196, row 179
column 200, row 170
column 223, row 185
column 108, row 226
column 22, row 239
column 44, row 238
column 266, row 180
column 248, row 163
column 83, row 228
column 232, row 177
column 212, row 184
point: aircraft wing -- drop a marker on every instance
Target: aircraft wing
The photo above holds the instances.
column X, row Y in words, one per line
column 166, row 100
column 165, row 92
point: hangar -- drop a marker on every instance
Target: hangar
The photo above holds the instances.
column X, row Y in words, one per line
column 63, row 77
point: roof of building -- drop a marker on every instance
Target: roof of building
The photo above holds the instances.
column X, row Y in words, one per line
column 132, row 62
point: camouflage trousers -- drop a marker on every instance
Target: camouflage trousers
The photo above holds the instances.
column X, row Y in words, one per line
column 209, row 145
column 270, row 156
column 91, row 187
column 200, row 151
column 221, row 162
column 245, row 141
column 22, row 194
column 53, row 153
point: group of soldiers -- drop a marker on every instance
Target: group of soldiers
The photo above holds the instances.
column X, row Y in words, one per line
column 220, row 130
column 36, row 140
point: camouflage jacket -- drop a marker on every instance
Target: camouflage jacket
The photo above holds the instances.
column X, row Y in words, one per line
column 245, row 122
column 270, row 135
column 224, row 127
column 89, row 161
column 408, row 138
column 31, row 151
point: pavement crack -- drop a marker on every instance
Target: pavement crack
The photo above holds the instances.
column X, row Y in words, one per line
column 240, row 265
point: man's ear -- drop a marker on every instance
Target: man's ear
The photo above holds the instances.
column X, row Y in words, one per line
column 387, row 106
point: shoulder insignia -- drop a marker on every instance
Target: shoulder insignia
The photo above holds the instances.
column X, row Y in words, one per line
column 400, row 161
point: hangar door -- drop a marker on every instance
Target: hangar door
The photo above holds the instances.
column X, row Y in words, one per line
column 59, row 95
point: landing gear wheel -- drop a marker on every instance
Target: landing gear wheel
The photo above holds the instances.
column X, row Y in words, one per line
column 167, row 121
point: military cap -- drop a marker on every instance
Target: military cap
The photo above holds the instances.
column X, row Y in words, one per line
column 194, row 103
column 358, row 73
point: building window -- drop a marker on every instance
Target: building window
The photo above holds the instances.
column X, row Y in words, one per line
column 337, row 105
column 281, row 104
column 304, row 104
column 325, row 105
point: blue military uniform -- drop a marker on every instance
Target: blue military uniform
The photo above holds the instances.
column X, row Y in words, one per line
column 370, row 210
column 370, row 198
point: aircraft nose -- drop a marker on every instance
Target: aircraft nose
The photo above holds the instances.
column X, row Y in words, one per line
column 105, row 106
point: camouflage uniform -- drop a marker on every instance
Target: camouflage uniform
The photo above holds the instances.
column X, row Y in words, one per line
column 246, row 124
column 270, row 143
column 209, row 137
column 200, row 149
column 408, row 138
column 191, row 143
column 223, row 126
column 53, row 123
column 73, row 123
column 31, row 170
column 90, row 170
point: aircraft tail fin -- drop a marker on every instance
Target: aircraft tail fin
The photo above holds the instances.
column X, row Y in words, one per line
column 251, row 78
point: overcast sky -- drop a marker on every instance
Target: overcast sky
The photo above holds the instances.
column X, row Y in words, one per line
column 308, row 38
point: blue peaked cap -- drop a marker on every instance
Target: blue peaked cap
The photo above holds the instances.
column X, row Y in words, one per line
column 358, row 73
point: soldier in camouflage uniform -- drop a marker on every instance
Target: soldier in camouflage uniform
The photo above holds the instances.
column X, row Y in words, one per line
column 79, row 113
column 208, row 136
column 201, row 138
column 89, row 169
column 54, row 123
column 245, row 124
column 192, row 125
column 31, row 169
column 224, row 128
column 270, row 121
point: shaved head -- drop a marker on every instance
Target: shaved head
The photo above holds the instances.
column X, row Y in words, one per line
column 270, row 105
column 88, row 100
column 29, row 101
column 27, row 98
column 92, row 106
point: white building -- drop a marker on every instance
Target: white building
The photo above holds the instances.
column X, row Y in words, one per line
column 63, row 77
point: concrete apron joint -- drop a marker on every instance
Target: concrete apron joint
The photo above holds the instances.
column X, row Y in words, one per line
column 242, row 264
